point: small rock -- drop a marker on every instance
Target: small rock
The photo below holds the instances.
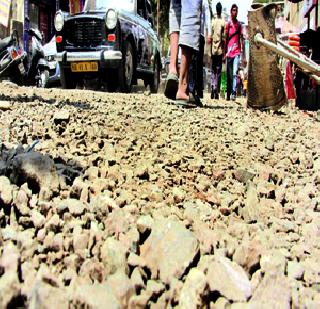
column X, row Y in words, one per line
column 5, row 190
column 74, row 206
column 273, row 262
column 229, row 279
column 295, row 270
column 269, row 143
column 273, row 292
column 121, row 287
column 155, row 288
column 136, row 279
column 243, row 175
column 113, row 256
column 178, row 195
column 94, row 296
column 61, row 115
column 169, row 250
column 5, row 105
column 38, row 219
column 251, row 210
column 145, row 223
column 9, row 288
column 193, row 289
column 135, row 260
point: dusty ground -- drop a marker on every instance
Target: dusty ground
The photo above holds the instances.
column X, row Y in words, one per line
column 113, row 200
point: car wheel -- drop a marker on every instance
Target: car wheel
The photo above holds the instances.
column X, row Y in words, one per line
column 16, row 77
column 126, row 68
column 42, row 82
column 155, row 79
column 67, row 79
column 109, row 82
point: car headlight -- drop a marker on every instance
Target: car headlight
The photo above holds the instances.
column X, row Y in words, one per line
column 111, row 19
column 58, row 21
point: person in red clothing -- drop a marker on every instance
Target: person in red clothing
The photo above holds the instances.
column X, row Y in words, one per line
column 234, row 45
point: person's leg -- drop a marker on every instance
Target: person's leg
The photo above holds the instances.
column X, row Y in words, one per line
column 188, row 40
column 174, row 50
column 229, row 76
column 192, row 74
column 214, row 76
column 236, row 63
column 174, row 29
column 199, row 80
column 219, row 69
column 186, row 54
column 171, row 86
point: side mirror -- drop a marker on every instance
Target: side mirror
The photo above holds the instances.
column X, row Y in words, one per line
column 150, row 20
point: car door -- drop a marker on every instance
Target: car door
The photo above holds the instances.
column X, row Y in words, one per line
column 152, row 46
column 143, row 35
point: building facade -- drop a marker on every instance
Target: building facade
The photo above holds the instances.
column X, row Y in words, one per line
column 40, row 15
column 304, row 14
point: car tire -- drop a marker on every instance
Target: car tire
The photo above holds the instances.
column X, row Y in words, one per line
column 16, row 77
column 155, row 79
column 67, row 79
column 43, row 80
column 108, row 81
column 126, row 70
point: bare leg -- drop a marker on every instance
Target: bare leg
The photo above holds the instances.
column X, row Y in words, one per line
column 174, row 50
column 186, row 53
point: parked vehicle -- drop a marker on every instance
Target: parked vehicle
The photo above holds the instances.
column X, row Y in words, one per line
column 50, row 51
column 37, row 67
column 113, row 42
column 11, row 59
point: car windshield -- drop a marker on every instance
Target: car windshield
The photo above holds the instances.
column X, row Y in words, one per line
column 101, row 5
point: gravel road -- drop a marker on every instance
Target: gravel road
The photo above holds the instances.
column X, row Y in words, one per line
column 119, row 200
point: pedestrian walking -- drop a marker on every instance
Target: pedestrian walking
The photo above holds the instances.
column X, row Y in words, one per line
column 217, row 48
column 184, row 29
column 196, row 68
column 234, row 46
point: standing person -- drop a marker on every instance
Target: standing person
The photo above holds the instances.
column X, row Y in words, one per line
column 196, row 68
column 217, row 48
column 184, row 28
column 234, row 45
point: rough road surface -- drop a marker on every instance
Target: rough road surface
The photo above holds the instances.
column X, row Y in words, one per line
column 115, row 201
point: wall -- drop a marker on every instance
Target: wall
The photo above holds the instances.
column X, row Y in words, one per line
column 294, row 13
column 15, row 19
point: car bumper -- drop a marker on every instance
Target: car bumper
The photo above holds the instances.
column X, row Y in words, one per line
column 105, row 55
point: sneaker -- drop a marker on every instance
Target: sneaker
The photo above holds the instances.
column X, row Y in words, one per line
column 233, row 97
column 216, row 96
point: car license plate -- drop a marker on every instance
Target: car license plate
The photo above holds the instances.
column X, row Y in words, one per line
column 21, row 68
column 84, row 66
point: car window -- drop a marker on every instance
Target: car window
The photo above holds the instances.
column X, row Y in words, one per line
column 97, row 5
column 149, row 13
column 141, row 9
column 149, row 9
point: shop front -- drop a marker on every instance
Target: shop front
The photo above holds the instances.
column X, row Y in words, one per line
column 310, row 9
column 41, row 14
column 76, row 6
